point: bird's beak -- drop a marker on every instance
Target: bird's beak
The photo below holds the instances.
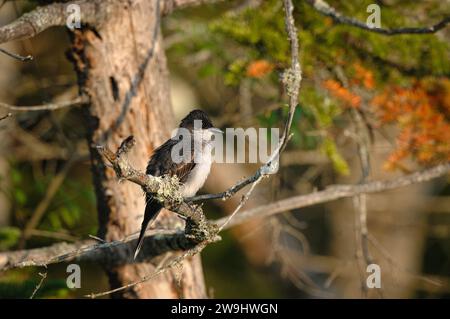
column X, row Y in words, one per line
column 216, row 130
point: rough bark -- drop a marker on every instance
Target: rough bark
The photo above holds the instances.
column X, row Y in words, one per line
column 122, row 67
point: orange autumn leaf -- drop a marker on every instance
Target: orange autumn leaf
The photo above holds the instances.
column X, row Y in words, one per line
column 420, row 114
column 342, row 93
column 259, row 68
column 364, row 76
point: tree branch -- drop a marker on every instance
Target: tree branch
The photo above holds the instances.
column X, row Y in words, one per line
column 335, row 192
column 324, row 8
column 109, row 253
column 168, row 6
column 55, row 14
column 93, row 12
column 43, row 205
column 17, row 56
column 80, row 100
column 5, row 116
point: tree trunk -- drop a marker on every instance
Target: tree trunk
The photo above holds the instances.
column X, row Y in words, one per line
column 121, row 65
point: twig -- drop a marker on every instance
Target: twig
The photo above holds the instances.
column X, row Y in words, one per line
column 40, row 210
column 17, row 56
column 324, row 8
column 176, row 261
column 293, row 76
column 53, row 235
column 5, row 116
column 361, row 136
column 43, row 276
column 158, row 241
column 244, row 199
column 170, row 5
column 335, row 192
column 97, row 238
column 80, row 100
column 385, row 253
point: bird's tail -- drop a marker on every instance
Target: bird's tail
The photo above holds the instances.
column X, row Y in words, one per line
column 152, row 209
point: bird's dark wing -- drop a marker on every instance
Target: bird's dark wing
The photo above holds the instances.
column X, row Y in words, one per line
column 161, row 163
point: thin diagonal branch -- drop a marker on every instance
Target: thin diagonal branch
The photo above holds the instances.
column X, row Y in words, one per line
column 39, row 285
column 335, row 192
column 17, row 56
column 171, row 5
column 159, row 270
column 80, row 100
column 5, row 116
column 43, row 205
column 324, row 8
column 109, row 253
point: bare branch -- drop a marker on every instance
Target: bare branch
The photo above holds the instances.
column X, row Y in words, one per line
column 336, row 192
column 43, row 276
column 293, row 76
column 110, row 253
column 324, row 8
column 5, row 116
column 41, row 208
column 171, row 5
column 17, row 56
column 241, row 203
column 80, row 100
column 55, row 14
column 159, row 270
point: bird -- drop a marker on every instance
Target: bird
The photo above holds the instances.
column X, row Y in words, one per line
column 192, row 171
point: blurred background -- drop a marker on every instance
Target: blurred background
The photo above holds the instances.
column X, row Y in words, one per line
column 386, row 97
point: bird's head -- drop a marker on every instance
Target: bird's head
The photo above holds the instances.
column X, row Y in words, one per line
column 198, row 120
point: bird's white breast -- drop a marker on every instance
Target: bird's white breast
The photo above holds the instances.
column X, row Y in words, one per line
column 198, row 175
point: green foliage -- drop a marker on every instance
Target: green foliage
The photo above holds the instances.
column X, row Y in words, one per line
column 259, row 33
column 9, row 236
column 262, row 34
column 339, row 163
column 23, row 289
column 341, row 44
column 71, row 210
column 235, row 72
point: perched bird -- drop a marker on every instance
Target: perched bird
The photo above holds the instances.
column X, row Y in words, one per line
column 191, row 173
